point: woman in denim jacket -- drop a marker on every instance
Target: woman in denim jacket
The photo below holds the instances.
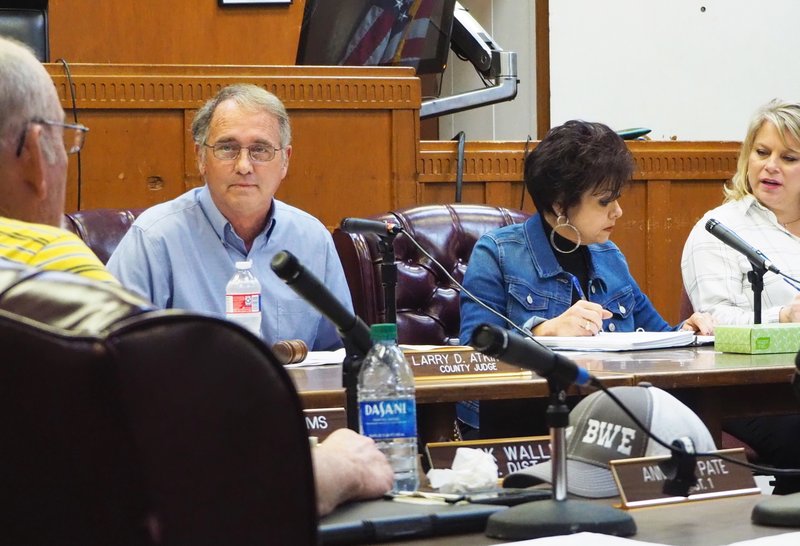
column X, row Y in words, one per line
column 558, row 274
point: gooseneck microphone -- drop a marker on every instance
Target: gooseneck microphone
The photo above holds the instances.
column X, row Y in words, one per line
column 755, row 257
column 302, row 281
column 526, row 353
column 363, row 226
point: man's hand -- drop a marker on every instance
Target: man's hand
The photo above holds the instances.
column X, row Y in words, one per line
column 349, row 466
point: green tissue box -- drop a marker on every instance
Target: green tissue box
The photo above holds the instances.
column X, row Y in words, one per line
column 757, row 338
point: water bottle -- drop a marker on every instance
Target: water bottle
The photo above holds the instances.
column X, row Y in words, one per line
column 387, row 407
column 243, row 298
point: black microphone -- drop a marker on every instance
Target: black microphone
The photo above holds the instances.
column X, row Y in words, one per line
column 526, row 353
column 302, row 281
column 756, row 257
column 360, row 225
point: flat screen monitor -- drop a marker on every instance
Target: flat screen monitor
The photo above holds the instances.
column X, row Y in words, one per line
column 413, row 33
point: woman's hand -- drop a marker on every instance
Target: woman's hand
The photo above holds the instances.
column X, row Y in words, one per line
column 702, row 323
column 791, row 312
column 582, row 319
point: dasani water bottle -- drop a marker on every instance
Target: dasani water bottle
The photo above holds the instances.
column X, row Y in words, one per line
column 387, row 407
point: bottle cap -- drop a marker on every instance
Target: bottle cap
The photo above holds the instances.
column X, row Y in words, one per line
column 244, row 265
column 383, row 332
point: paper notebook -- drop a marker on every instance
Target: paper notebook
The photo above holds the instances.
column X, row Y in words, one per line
column 619, row 341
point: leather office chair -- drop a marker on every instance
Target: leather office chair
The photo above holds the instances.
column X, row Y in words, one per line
column 427, row 301
column 101, row 229
column 115, row 415
column 26, row 21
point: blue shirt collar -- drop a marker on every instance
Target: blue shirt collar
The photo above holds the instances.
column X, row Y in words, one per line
column 223, row 228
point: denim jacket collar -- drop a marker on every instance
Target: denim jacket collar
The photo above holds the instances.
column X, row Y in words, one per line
column 545, row 261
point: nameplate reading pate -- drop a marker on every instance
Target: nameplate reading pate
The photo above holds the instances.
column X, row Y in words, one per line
column 458, row 362
column 322, row 422
column 641, row 480
column 510, row 454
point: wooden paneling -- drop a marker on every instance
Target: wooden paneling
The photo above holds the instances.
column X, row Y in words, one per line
column 356, row 133
column 673, row 185
column 173, row 32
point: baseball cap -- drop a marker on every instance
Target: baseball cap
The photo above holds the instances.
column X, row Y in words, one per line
column 600, row 432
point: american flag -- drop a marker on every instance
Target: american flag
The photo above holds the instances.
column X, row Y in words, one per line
column 392, row 31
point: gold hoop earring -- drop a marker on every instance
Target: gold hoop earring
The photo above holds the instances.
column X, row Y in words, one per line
column 563, row 222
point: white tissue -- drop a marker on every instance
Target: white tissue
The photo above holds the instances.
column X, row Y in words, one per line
column 473, row 470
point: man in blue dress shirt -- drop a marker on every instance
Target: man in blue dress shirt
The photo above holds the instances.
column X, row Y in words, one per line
column 183, row 252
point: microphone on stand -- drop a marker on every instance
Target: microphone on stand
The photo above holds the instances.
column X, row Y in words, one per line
column 756, row 257
column 352, row 329
column 760, row 263
column 363, row 226
column 526, row 353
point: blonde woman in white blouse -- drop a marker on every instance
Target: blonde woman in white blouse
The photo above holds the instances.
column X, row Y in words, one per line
column 762, row 206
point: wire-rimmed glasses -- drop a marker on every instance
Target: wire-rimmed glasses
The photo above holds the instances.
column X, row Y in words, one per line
column 229, row 151
column 74, row 135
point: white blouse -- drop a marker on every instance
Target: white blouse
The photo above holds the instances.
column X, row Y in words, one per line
column 715, row 275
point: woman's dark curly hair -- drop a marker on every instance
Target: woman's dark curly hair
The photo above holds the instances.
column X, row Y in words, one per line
column 574, row 158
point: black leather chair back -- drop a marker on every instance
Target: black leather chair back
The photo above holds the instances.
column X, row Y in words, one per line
column 127, row 425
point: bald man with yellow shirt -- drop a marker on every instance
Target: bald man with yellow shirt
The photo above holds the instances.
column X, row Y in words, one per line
column 34, row 144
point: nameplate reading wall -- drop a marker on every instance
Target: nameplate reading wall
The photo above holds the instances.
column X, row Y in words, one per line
column 322, row 422
column 510, row 454
column 641, row 480
column 458, row 362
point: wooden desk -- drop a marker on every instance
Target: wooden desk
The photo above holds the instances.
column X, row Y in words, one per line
column 702, row 523
column 715, row 385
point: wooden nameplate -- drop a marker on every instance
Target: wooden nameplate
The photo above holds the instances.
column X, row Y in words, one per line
column 510, row 454
column 458, row 362
column 641, row 480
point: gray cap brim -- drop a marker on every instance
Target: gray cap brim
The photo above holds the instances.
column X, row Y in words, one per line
column 583, row 479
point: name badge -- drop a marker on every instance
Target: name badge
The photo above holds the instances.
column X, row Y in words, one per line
column 322, row 422
column 510, row 454
column 641, row 480
column 459, row 362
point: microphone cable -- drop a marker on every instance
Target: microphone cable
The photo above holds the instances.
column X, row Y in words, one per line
column 525, row 153
column 74, row 110
column 463, row 290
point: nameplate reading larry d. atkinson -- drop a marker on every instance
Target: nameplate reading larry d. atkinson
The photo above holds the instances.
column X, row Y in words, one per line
column 458, row 362
column 641, row 480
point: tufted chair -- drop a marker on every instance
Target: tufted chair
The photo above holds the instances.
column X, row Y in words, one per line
column 427, row 302
column 133, row 426
column 101, row 229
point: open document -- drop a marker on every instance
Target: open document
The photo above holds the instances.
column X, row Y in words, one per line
column 620, row 341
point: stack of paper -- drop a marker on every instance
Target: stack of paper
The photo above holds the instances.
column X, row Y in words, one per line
column 619, row 341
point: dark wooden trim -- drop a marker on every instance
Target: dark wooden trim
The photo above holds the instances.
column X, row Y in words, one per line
column 542, row 67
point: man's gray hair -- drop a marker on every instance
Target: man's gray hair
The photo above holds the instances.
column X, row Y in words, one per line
column 247, row 96
column 23, row 91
